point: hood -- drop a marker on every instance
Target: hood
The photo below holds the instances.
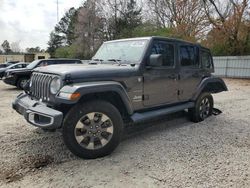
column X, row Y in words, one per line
column 3, row 69
column 81, row 71
column 18, row 70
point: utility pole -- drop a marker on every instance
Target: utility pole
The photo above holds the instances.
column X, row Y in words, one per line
column 57, row 5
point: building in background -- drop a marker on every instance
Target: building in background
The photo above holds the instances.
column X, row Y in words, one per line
column 28, row 57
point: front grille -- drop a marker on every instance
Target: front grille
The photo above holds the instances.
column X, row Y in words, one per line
column 40, row 86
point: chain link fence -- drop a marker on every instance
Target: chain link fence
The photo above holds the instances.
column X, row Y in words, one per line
column 232, row 66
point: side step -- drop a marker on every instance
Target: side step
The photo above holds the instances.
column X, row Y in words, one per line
column 145, row 116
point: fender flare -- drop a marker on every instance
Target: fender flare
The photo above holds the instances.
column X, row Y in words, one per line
column 93, row 88
column 210, row 84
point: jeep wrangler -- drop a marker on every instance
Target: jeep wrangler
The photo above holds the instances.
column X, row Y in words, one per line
column 128, row 81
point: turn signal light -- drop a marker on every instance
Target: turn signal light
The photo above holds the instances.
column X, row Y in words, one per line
column 74, row 96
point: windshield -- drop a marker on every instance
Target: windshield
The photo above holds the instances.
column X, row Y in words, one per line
column 33, row 64
column 10, row 66
column 128, row 51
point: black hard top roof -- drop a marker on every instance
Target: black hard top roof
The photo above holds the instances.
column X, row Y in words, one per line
column 160, row 38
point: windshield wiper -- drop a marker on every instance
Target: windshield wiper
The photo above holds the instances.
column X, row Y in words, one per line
column 118, row 61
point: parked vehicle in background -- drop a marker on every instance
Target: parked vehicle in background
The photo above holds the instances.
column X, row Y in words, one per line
column 14, row 66
column 127, row 82
column 3, row 65
column 19, row 77
column 8, row 63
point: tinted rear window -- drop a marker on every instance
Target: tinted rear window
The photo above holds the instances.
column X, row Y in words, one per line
column 189, row 56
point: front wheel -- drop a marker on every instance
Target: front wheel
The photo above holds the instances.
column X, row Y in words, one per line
column 21, row 83
column 203, row 107
column 92, row 129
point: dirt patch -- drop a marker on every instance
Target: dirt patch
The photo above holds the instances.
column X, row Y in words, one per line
column 27, row 164
column 37, row 161
column 11, row 176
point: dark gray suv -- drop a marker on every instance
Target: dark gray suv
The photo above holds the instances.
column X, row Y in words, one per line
column 127, row 81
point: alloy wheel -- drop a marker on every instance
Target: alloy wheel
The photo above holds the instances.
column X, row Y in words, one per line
column 204, row 109
column 94, row 130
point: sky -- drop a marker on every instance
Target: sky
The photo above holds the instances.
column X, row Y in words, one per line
column 31, row 21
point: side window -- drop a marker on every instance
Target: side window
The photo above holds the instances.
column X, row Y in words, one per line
column 44, row 63
column 19, row 66
column 166, row 50
column 206, row 60
column 16, row 67
column 189, row 56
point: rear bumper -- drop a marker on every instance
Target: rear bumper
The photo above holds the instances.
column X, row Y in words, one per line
column 37, row 113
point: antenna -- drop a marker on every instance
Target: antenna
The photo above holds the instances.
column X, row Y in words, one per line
column 57, row 10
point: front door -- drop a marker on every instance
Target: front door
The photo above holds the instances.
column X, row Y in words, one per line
column 161, row 82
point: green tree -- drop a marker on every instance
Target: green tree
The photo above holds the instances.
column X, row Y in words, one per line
column 130, row 19
column 6, row 47
column 66, row 26
column 34, row 50
column 149, row 29
column 66, row 52
column 55, row 42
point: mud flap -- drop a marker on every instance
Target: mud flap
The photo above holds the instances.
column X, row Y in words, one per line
column 216, row 111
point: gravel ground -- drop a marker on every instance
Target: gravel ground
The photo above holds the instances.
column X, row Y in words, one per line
column 168, row 153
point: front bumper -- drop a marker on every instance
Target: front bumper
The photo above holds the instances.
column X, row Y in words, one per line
column 37, row 113
column 9, row 80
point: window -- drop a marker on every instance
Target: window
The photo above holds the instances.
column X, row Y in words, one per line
column 189, row 56
column 44, row 63
column 126, row 50
column 17, row 66
column 206, row 60
column 166, row 50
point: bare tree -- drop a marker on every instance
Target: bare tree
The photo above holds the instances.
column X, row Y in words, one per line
column 15, row 47
column 229, row 22
column 88, row 28
column 187, row 18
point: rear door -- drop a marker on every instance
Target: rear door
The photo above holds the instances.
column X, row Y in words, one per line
column 160, row 83
column 190, row 70
column 207, row 60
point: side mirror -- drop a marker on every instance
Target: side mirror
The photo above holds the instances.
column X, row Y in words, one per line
column 155, row 60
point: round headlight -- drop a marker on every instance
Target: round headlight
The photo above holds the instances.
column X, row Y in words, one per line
column 55, row 85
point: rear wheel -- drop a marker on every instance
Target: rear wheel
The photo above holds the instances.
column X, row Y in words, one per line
column 92, row 129
column 203, row 107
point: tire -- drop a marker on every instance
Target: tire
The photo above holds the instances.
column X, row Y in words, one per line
column 203, row 107
column 92, row 143
column 21, row 82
